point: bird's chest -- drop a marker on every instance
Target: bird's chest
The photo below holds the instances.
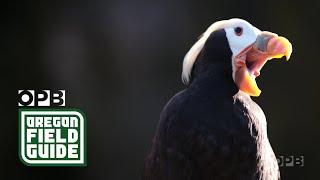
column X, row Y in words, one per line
column 250, row 112
column 267, row 162
column 231, row 113
column 232, row 133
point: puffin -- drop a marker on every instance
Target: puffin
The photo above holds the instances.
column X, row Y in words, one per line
column 213, row 130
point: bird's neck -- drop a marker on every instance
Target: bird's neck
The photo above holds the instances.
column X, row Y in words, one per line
column 214, row 79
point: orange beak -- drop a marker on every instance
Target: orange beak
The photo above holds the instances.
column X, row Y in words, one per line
column 249, row 62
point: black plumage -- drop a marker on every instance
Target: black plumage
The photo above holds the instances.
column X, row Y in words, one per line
column 211, row 130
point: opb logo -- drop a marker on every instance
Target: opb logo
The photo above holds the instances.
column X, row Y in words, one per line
column 41, row 98
column 50, row 136
column 290, row 161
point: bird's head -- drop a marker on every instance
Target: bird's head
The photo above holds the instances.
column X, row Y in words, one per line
column 248, row 50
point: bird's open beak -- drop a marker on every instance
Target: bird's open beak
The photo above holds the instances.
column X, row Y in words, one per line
column 249, row 62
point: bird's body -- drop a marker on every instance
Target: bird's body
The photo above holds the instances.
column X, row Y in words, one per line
column 212, row 130
column 191, row 144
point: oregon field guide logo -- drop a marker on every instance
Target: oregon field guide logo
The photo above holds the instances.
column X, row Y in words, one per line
column 50, row 136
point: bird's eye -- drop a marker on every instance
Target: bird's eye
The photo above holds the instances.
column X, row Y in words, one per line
column 238, row 31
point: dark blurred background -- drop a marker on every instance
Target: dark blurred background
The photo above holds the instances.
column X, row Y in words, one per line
column 120, row 62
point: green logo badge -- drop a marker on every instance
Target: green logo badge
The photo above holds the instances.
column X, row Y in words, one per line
column 53, row 136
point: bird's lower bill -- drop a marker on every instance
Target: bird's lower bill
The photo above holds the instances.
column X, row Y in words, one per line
column 249, row 62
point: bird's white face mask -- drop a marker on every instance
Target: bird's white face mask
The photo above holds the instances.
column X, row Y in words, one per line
column 251, row 49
